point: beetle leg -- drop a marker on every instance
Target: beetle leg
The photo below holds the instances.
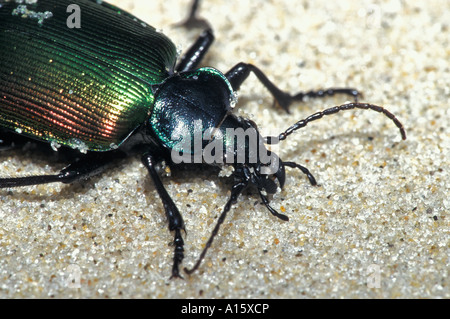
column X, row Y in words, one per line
column 176, row 222
column 304, row 170
column 87, row 166
column 196, row 52
column 192, row 20
column 241, row 71
column 271, row 210
column 236, row 190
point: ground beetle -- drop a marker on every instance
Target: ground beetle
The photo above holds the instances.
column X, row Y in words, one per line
column 108, row 85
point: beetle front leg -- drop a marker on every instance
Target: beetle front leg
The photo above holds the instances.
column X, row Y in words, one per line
column 239, row 73
column 236, row 191
column 176, row 222
column 196, row 52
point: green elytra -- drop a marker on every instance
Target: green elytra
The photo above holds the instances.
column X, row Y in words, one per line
column 88, row 86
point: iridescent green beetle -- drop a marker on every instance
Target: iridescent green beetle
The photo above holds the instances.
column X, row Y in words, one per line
column 109, row 85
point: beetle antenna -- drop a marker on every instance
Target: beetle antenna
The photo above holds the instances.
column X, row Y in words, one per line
column 235, row 192
column 336, row 109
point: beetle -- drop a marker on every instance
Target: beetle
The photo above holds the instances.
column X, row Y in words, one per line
column 112, row 87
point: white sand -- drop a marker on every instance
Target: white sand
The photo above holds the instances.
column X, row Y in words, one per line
column 378, row 225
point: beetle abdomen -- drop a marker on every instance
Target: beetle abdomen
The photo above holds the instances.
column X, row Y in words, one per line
column 87, row 87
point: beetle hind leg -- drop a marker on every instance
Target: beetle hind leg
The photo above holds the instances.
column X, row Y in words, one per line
column 87, row 166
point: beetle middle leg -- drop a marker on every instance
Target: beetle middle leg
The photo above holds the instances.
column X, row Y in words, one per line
column 239, row 73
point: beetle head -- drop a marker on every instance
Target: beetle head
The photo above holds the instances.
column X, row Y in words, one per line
column 246, row 150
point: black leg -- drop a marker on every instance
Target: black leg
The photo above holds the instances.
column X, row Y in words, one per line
column 176, row 223
column 241, row 71
column 192, row 20
column 89, row 165
column 304, row 170
column 196, row 52
column 235, row 192
column 271, row 210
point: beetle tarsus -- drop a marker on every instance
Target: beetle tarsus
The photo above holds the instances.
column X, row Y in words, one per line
column 178, row 254
column 323, row 93
column 86, row 166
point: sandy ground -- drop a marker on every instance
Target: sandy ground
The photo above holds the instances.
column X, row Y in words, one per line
column 376, row 227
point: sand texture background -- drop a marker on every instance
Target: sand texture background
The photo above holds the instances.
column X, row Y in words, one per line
column 376, row 227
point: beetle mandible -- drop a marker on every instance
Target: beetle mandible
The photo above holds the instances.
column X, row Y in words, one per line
column 113, row 88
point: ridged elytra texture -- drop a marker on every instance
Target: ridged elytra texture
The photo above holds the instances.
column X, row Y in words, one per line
column 88, row 86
